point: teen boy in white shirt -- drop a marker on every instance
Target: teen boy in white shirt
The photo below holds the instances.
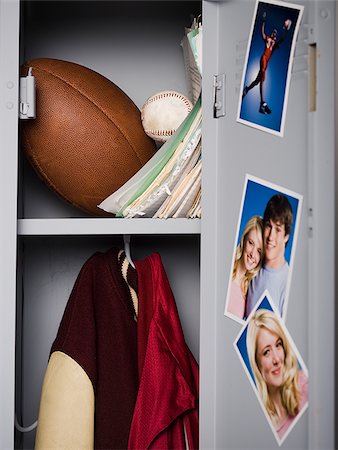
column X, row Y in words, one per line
column 273, row 276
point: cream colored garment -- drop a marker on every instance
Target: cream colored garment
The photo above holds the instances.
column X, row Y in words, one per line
column 66, row 416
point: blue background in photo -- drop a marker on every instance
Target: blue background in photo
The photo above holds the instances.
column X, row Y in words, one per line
column 241, row 343
column 277, row 70
column 256, row 198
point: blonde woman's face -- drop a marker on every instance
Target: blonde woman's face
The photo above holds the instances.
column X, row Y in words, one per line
column 253, row 246
column 270, row 357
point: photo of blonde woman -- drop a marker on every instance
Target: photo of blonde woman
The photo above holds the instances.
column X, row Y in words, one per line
column 280, row 380
column 247, row 263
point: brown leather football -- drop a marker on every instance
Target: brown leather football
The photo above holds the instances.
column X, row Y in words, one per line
column 87, row 139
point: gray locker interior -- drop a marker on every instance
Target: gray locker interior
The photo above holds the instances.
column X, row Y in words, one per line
column 128, row 35
column 138, row 46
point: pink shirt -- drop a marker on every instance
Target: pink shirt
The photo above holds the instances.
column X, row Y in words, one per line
column 236, row 304
column 303, row 384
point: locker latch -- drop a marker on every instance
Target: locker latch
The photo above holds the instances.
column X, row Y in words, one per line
column 27, row 96
column 219, row 95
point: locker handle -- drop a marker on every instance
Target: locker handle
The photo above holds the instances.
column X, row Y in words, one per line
column 219, row 95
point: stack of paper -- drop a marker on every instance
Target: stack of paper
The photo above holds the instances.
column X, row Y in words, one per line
column 169, row 184
column 192, row 53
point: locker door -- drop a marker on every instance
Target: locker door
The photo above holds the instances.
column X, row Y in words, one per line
column 302, row 161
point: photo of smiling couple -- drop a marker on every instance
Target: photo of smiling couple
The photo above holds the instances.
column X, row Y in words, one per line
column 264, row 248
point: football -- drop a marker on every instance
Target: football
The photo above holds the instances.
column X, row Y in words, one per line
column 87, row 139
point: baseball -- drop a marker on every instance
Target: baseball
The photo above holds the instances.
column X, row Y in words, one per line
column 287, row 24
column 163, row 113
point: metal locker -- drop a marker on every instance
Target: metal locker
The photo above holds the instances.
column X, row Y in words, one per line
column 302, row 161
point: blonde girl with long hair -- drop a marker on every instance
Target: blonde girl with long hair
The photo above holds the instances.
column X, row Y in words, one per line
column 247, row 263
column 281, row 384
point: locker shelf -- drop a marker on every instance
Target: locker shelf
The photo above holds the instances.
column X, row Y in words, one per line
column 107, row 226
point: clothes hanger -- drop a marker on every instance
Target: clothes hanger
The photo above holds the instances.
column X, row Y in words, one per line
column 25, row 429
column 126, row 240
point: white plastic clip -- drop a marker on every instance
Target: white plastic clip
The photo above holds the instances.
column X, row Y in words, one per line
column 27, row 96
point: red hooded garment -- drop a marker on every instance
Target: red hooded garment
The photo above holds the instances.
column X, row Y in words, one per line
column 166, row 410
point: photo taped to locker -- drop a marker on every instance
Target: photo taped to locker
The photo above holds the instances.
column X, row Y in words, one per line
column 264, row 247
column 268, row 64
column 274, row 367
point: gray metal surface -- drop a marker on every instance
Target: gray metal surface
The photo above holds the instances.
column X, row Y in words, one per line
column 9, row 40
column 303, row 162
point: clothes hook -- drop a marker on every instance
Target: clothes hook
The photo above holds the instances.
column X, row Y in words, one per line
column 126, row 240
